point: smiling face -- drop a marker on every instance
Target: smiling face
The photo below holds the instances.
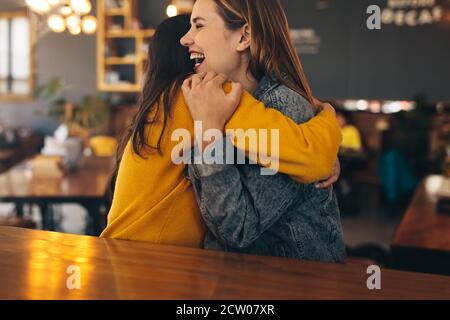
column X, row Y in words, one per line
column 211, row 44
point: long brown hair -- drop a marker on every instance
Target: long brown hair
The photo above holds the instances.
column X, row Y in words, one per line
column 272, row 51
column 169, row 64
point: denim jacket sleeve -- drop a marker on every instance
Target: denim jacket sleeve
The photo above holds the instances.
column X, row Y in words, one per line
column 236, row 212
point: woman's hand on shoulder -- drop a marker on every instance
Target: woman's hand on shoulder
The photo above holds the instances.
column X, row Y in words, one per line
column 322, row 106
column 208, row 102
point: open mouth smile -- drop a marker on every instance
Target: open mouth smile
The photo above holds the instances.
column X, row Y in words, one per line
column 198, row 58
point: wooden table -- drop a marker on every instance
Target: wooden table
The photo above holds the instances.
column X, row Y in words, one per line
column 27, row 145
column 34, row 264
column 6, row 154
column 87, row 187
column 422, row 241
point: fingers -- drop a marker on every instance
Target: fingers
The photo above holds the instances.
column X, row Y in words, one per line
column 236, row 91
column 321, row 185
column 201, row 78
column 316, row 101
column 334, row 177
column 220, row 79
column 318, row 104
column 209, row 76
column 327, row 184
column 197, row 79
column 216, row 79
column 186, row 87
column 337, row 169
column 329, row 107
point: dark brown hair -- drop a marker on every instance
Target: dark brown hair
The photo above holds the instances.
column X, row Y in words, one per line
column 169, row 64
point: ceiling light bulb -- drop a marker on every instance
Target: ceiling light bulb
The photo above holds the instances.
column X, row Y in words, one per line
column 172, row 10
column 66, row 10
column 39, row 6
column 86, row 8
column 53, row 2
column 73, row 21
column 89, row 24
column 81, row 6
column 75, row 30
column 56, row 23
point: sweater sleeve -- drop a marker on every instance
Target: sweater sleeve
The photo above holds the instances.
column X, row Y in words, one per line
column 307, row 151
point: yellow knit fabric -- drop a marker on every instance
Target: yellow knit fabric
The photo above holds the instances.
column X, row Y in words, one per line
column 351, row 138
column 154, row 202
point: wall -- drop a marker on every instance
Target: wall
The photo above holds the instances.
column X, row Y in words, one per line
column 71, row 58
column 68, row 57
column 353, row 62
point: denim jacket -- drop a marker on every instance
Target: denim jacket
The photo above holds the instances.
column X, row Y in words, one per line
column 273, row 215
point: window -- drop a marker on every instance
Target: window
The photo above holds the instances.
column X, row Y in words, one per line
column 16, row 76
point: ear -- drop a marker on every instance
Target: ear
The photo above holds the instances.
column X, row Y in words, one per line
column 246, row 38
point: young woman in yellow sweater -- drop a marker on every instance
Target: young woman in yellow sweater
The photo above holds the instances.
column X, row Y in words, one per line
column 153, row 200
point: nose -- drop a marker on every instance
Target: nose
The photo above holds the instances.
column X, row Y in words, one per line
column 187, row 40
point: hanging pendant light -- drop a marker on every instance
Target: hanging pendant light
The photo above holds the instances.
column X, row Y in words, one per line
column 179, row 7
column 56, row 23
column 66, row 10
column 39, row 6
column 72, row 15
column 75, row 30
column 53, row 2
column 89, row 24
column 81, row 7
column 171, row 10
column 72, row 21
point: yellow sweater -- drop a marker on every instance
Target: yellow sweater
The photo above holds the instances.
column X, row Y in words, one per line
column 351, row 138
column 154, row 202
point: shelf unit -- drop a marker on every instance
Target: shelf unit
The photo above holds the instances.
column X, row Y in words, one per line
column 111, row 34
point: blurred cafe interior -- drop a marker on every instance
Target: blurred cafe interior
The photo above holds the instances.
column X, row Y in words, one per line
column 70, row 77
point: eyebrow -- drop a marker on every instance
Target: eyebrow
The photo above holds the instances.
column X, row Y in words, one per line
column 196, row 19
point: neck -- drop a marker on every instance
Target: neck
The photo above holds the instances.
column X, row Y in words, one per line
column 245, row 77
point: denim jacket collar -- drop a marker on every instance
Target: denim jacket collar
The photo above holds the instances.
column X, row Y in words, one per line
column 267, row 84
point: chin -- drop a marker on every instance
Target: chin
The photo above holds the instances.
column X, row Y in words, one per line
column 201, row 69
